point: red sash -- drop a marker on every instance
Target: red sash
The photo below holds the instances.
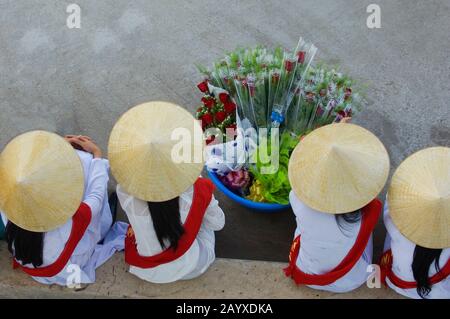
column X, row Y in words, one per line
column 371, row 213
column 386, row 272
column 203, row 191
column 80, row 222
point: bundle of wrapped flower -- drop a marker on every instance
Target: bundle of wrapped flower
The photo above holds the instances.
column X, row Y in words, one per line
column 260, row 103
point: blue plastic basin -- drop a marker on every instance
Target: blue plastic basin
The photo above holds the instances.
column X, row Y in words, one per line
column 260, row 207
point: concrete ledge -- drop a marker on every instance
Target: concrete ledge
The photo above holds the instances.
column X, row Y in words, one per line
column 227, row 278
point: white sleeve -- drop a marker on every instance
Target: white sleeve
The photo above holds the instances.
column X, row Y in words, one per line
column 298, row 208
column 390, row 227
column 97, row 185
column 86, row 160
column 214, row 218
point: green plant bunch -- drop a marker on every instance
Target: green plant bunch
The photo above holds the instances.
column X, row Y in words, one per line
column 275, row 187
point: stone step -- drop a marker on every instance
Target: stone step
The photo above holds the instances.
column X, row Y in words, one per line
column 226, row 278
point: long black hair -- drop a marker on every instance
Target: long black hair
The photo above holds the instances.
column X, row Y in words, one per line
column 26, row 246
column 167, row 221
column 422, row 260
column 344, row 220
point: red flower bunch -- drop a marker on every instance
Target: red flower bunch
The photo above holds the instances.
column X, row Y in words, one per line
column 237, row 181
column 216, row 111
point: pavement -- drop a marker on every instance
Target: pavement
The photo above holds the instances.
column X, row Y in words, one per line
column 225, row 279
column 128, row 52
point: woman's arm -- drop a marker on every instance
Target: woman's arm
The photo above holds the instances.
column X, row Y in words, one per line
column 214, row 218
column 97, row 185
column 97, row 177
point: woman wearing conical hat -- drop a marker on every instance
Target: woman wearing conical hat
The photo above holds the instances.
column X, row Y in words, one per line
column 416, row 262
column 55, row 207
column 172, row 212
column 336, row 173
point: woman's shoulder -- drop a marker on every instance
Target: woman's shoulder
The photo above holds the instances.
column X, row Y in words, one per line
column 122, row 194
column 303, row 210
column 84, row 156
column 131, row 204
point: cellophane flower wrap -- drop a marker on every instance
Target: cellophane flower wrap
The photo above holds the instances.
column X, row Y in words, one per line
column 226, row 149
column 217, row 110
column 274, row 89
column 262, row 82
column 326, row 96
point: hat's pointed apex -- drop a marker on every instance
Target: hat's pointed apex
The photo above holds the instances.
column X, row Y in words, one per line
column 148, row 171
column 42, row 181
column 338, row 168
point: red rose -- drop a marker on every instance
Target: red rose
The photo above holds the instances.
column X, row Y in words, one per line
column 203, row 86
column 275, row 77
column 288, row 65
column 344, row 114
column 309, row 96
column 207, row 119
column 319, row 111
column 224, row 97
column 301, row 56
column 208, row 102
column 220, row 116
column 210, row 139
column 252, row 90
column 230, row 107
column 347, row 93
column 199, row 109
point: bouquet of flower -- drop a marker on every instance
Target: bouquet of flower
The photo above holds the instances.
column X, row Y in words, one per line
column 216, row 112
column 275, row 89
column 262, row 82
column 326, row 96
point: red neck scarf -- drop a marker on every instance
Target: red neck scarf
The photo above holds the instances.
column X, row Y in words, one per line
column 203, row 191
column 386, row 272
column 371, row 213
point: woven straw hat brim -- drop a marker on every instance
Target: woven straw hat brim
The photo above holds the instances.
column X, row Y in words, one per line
column 141, row 149
column 338, row 168
column 42, row 181
column 419, row 198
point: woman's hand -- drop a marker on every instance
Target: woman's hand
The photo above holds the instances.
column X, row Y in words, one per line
column 346, row 120
column 84, row 143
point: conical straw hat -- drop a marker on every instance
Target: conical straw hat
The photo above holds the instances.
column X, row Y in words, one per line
column 338, row 168
column 41, row 181
column 419, row 198
column 141, row 149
